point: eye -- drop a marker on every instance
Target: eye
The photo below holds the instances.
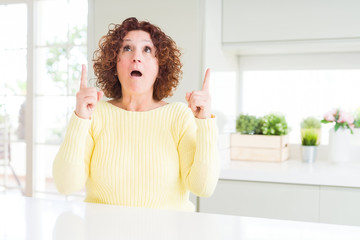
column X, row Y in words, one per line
column 126, row 48
column 147, row 49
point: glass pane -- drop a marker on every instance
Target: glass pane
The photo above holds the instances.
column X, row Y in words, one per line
column 52, row 22
column 2, row 73
column 45, row 155
column 13, row 77
column 15, row 107
column 71, row 104
column 223, row 95
column 13, row 72
column 12, row 151
column 13, row 25
column 4, row 117
column 78, row 13
column 77, row 57
column 77, row 35
column 78, row 22
column 299, row 94
column 51, row 71
column 18, row 165
column 51, row 118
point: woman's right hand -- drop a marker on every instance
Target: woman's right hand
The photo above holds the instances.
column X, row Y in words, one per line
column 86, row 98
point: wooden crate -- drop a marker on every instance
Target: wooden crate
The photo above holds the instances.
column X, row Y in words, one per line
column 259, row 147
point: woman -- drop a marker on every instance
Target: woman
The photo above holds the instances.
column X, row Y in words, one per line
column 136, row 149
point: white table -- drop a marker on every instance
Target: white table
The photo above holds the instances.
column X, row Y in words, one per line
column 35, row 219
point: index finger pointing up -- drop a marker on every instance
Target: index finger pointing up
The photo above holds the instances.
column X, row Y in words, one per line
column 83, row 77
column 206, row 83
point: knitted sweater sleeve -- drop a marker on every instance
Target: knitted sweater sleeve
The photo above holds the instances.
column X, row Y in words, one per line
column 199, row 161
column 71, row 164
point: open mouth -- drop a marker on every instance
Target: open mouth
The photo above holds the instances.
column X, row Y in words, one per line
column 136, row 74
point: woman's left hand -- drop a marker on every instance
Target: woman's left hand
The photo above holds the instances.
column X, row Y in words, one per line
column 200, row 101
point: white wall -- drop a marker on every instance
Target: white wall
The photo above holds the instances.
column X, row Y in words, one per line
column 181, row 20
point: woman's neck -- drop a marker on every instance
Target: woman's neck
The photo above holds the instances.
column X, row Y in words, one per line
column 137, row 104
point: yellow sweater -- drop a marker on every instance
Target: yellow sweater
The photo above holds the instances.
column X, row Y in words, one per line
column 142, row 159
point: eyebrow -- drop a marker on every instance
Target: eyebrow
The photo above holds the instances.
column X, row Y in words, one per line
column 144, row 40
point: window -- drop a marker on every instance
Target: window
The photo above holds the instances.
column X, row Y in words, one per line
column 13, row 83
column 60, row 47
column 223, row 94
column 299, row 93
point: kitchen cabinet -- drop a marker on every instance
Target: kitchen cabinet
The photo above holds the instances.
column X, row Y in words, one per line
column 314, row 203
column 340, row 205
column 261, row 199
column 291, row 190
column 312, row 26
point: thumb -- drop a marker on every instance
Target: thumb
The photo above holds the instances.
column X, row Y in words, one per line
column 188, row 96
column 100, row 94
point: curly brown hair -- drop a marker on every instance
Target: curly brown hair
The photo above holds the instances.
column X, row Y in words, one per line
column 106, row 57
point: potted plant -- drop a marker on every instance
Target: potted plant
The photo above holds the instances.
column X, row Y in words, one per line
column 248, row 124
column 310, row 138
column 274, row 124
column 260, row 138
column 312, row 123
column 340, row 134
column 342, row 119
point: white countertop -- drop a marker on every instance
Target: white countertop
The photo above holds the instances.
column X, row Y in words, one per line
column 295, row 172
column 35, row 219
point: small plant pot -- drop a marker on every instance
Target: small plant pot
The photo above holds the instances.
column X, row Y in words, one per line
column 308, row 153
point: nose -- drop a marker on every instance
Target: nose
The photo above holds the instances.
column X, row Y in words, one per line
column 136, row 57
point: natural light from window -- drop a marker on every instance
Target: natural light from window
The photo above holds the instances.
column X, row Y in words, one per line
column 223, row 95
column 60, row 47
column 299, row 94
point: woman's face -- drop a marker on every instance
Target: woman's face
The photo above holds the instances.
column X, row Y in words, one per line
column 137, row 67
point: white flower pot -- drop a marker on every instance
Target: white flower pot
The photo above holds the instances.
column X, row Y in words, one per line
column 355, row 138
column 339, row 145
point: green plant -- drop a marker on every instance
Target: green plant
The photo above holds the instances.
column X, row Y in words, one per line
column 311, row 122
column 310, row 131
column 357, row 118
column 247, row 124
column 309, row 137
column 258, row 126
column 274, row 124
